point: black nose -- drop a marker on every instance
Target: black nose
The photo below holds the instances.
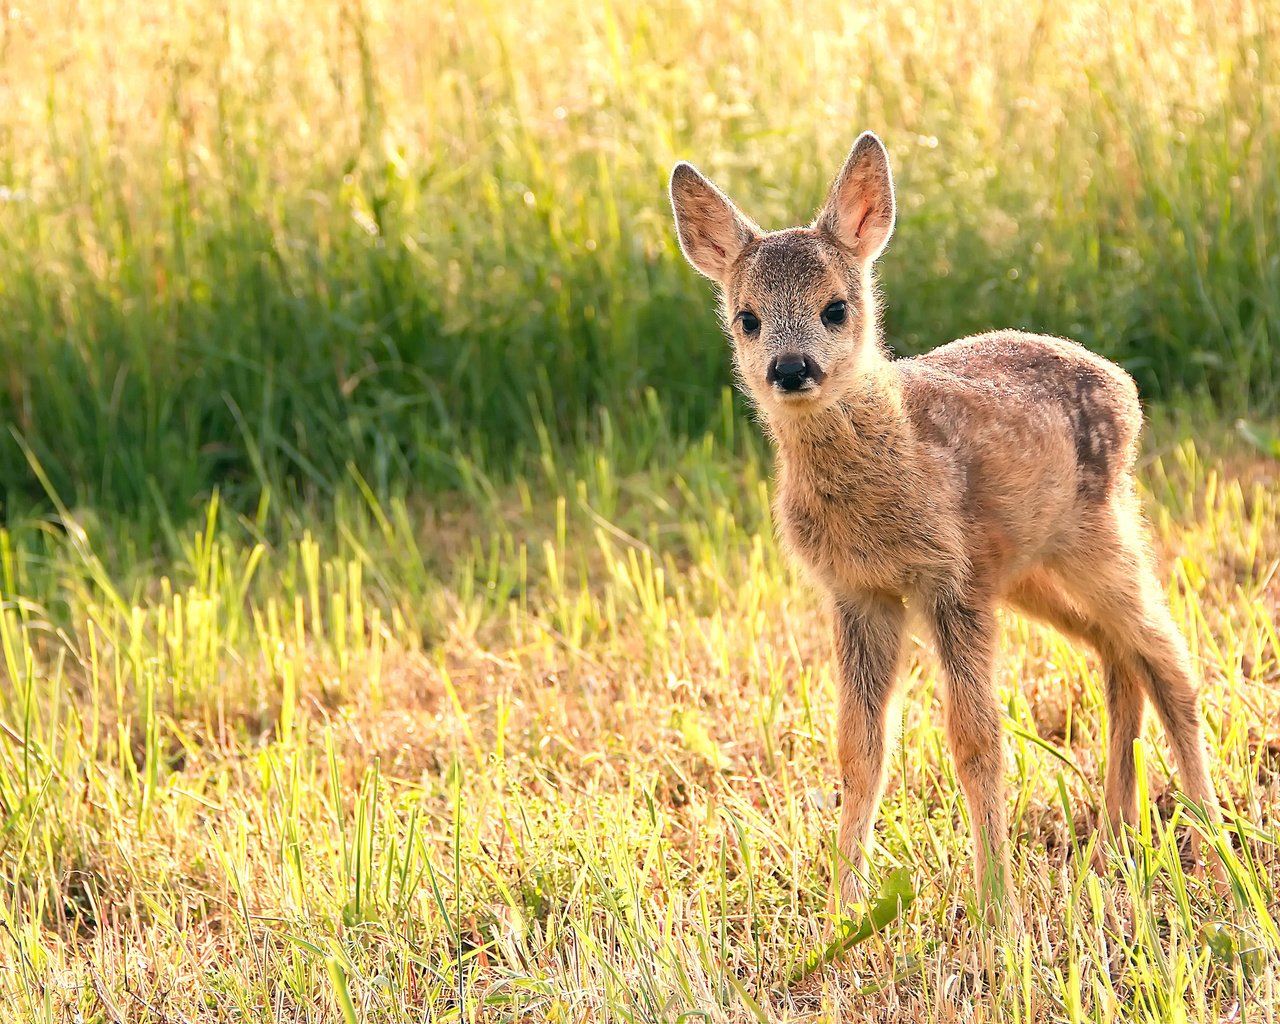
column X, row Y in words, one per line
column 791, row 371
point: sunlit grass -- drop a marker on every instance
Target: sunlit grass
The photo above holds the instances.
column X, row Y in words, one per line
column 566, row 753
column 390, row 622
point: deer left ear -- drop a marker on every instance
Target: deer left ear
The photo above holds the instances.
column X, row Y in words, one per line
column 859, row 211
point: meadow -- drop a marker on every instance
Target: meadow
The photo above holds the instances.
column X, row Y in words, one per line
column 391, row 624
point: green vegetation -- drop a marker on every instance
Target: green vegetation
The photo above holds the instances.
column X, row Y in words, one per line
column 390, row 622
column 570, row 758
column 259, row 241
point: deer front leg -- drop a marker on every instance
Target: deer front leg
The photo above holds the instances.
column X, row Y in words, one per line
column 868, row 643
column 965, row 634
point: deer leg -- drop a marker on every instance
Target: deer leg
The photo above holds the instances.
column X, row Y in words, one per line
column 1151, row 655
column 868, row 645
column 965, row 635
column 1041, row 596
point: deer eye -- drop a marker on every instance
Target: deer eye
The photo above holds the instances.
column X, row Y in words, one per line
column 750, row 322
column 835, row 313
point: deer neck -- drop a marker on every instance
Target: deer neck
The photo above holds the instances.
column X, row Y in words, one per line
column 862, row 441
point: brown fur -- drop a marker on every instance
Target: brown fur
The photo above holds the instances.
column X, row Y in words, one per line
column 995, row 469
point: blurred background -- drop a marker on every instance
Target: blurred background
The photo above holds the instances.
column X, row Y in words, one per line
column 250, row 244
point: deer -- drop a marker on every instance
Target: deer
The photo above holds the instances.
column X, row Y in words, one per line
column 996, row 470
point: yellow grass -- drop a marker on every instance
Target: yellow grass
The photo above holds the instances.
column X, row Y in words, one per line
column 571, row 759
column 387, row 634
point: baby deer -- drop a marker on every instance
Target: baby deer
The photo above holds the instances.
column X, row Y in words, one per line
column 997, row 468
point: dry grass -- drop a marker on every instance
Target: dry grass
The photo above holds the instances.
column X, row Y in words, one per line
column 582, row 770
column 555, row 744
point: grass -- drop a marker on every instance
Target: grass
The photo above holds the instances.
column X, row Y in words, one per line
column 249, row 243
column 563, row 751
column 390, row 624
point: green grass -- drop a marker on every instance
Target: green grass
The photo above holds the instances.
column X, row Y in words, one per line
column 564, row 751
column 390, row 622
column 249, row 243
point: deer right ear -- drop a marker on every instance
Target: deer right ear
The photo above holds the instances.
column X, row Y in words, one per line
column 711, row 230
column 859, row 211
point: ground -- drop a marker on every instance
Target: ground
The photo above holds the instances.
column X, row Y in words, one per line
column 563, row 750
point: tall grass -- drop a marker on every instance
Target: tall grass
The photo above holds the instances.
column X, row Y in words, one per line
column 249, row 245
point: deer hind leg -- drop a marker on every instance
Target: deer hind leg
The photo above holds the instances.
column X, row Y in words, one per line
column 1122, row 590
column 1126, row 706
column 1163, row 664
column 1043, row 597
column 965, row 635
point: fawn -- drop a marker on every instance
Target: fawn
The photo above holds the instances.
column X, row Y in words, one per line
column 995, row 469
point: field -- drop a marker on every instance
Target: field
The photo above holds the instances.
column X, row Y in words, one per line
column 391, row 624
column 570, row 758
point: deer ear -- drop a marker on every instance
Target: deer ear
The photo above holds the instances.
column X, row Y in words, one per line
column 711, row 230
column 859, row 211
